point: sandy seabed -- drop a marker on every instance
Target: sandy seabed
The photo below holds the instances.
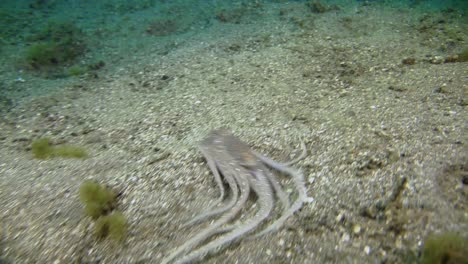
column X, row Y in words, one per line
column 381, row 112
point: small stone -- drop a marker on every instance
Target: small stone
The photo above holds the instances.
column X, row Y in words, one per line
column 437, row 60
column 281, row 242
column 356, row 229
column 345, row 238
column 367, row 250
column 399, row 243
column 340, row 217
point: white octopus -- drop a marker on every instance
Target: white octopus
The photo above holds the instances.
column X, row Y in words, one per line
column 243, row 170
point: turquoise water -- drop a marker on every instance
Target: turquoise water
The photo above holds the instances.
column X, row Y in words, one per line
column 50, row 40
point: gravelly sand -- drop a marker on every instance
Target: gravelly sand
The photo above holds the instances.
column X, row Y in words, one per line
column 386, row 142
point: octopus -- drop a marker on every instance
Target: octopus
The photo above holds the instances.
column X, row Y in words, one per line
column 243, row 171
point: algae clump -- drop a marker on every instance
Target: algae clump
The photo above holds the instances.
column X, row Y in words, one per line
column 446, row 248
column 67, row 151
column 98, row 200
column 113, row 226
column 463, row 56
column 57, row 44
column 43, row 149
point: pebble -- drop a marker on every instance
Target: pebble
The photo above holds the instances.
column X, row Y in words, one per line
column 367, row 250
column 357, row 229
column 311, row 180
column 281, row 242
column 345, row 238
column 340, row 217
